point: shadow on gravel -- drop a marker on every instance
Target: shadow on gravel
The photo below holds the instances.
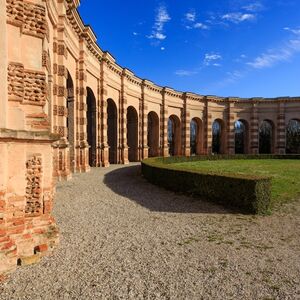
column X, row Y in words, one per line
column 128, row 182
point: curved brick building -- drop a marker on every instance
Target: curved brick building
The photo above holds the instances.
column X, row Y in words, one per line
column 66, row 106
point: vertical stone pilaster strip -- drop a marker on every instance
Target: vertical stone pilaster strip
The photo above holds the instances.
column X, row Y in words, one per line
column 207, row 128
column 230, row 128
column 98, row 129
column 145, row 111
column 103, row 107
column 254, row 130
column 164, row 125
column 82, row 128
column 281, row 129
column 123, row 120
column 186, row 122
column 60, row 99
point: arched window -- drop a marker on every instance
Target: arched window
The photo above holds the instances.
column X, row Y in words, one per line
column 112, row 131
column 293, row 137
column 153, row 134
column 241, row 137
column 266, row 137
column 132, row 133
column 218, row 137
column 174, row 135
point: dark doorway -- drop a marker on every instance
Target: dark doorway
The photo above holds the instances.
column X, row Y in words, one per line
column 91, row 127
column 112, row 131
column 153, row 134
column 132, row 134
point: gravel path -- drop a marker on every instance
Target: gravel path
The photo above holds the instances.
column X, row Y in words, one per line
column 123, row 238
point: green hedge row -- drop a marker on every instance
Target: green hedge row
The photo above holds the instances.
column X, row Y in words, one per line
column 178, row 159
column 251, row 194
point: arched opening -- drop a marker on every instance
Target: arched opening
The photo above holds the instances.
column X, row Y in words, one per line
column 91, row 127
column 70, row 121
column 174, row 135
column 153, row 134
column 218, row 137
column 196, row 140
column 293, row 137
column 132, row 134
column 266, row 137
column 241, row 137
column 112, row 131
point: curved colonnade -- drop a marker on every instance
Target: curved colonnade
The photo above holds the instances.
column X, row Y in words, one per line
column 66, row 106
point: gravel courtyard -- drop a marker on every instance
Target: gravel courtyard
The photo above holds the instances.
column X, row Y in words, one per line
column 123, row 238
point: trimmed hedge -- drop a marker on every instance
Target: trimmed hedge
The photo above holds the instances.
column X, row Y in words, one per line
column 251, row 194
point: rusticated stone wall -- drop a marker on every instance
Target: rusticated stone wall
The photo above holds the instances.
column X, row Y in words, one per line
column 67, row 106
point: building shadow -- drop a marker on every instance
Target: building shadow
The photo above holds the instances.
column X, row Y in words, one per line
column 128, row 182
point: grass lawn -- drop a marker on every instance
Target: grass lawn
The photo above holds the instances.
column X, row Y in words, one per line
column 285, row 174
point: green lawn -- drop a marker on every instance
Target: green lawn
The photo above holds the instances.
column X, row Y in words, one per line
column 285, row 173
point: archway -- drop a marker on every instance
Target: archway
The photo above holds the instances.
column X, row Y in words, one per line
column 112, row 131
column 218, row 137
column 132, row 134
column 241, row 137
column 266, row 137
column 91, row 117
column 196, row 139
column 70, row 121
column 153, row 134
column 174, row 135
column 293, row 137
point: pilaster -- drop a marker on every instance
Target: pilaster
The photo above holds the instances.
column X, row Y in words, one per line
column 281, row 129
column 123, row 120
column 103, row 112
column 254, row 130
column 164, row 125
column 230, row 135
column 186, row 128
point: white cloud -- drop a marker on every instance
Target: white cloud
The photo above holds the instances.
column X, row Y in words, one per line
column 295, row 31
column 190, row 16
column 162, row 48
column 191, row 23
column 277, row 55
column 162, row 17
column 200, row 25
column 185, row 73
column 211, row 59
column 254, row 7
column 238, row 17
column 135, row 33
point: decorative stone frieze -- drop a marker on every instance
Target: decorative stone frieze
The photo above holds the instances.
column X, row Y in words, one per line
column 33, row 196
column 35, row 87
column 29, row 16
column 15, row 81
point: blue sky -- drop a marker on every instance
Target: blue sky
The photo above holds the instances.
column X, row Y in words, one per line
column 243, row 48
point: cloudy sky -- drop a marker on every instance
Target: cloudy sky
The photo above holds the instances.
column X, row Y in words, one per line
column 214, row 47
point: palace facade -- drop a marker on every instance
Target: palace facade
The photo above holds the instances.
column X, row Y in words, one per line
column 67, row 106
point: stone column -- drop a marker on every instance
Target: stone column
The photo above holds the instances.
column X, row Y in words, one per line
column 281, row 129
column 60, row 100
column 144, row 123
column 3, row 65
column 207, row 122
column 82, row 121
column 103, row 107
column 123, row 118
column 98, row 116
column 230, row 134
column 254, row 130
column 186, row 130
column 164, row 125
